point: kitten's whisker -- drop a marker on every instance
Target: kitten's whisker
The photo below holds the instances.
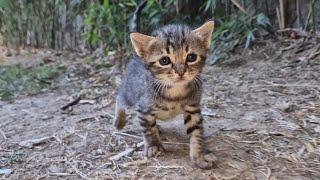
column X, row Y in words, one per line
column 157, row 88
column 197, row 82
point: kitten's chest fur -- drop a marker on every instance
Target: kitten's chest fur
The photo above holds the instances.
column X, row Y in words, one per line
column 170, row 103
column 168, row 110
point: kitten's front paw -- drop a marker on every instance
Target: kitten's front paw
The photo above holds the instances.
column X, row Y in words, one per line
column 153, row 150
column 204, row 161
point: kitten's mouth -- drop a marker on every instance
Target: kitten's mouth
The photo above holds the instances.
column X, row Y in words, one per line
column 180, row 79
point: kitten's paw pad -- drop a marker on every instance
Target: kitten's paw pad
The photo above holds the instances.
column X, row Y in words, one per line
column 205, row 161
column 120, row 120
column 150, row 151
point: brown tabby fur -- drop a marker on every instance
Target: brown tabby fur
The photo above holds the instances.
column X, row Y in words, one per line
column 164, row 91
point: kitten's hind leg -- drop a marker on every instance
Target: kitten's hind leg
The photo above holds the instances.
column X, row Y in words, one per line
column 120, row 114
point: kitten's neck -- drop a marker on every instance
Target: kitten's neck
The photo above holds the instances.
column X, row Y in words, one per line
column 178, row 91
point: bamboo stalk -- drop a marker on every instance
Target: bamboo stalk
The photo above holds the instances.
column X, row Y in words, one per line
column 279, row 18
column 283, row 23
column 267, row 7
column 244, row 4
column 313, row 17
column 309, row 14
column 235, row 2
column 298, row 13
column 228, row 7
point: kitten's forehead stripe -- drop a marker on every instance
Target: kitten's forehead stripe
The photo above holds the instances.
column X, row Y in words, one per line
column 183, row 40
column 167, row 46
column 175, row 36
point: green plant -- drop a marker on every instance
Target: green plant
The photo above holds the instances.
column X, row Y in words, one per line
column 107, row 25
column 104, row 24
column 18, row 79
column 235, row 30
column 103, row 27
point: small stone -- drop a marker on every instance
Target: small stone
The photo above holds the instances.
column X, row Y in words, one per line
column 44, row 118
column 56, row 168
column 287, row 107
column 99, row 152
column 8, row 53
column 5, row 171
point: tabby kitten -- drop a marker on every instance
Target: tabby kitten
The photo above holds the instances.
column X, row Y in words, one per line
column 163, row 81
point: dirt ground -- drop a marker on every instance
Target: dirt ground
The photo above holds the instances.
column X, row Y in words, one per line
column 262, row 121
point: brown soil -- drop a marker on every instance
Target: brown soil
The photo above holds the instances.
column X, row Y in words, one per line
column 262, row 121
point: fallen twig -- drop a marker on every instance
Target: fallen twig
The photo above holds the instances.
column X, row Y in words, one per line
column 3, row 134
column 72, row 103
column 315, row 53
column 140, row 138
column 168, row 167
column 271, row 84
column 312, row 56
column 86, row 119
column 128, row 135
column 81, row 174
column 135, row 163
column 108, row 114
column 60, row 174
column 210, row 114
column 87, row 101
column 126, row 152
column 287, row 85
column 33, row 142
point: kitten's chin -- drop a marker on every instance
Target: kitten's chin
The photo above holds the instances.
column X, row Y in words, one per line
column 176, row 81
column 181, row 82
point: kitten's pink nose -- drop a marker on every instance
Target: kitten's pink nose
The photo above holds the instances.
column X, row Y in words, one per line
column 180, row 70
column 180, row 73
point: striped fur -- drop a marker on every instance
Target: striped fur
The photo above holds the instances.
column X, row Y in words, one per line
column 135, row 24
column 159, row 91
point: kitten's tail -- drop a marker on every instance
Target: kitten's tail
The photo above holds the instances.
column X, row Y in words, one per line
column 120, row 115
column 135, row 25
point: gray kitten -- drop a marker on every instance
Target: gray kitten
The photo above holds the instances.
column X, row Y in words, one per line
column 163, row 81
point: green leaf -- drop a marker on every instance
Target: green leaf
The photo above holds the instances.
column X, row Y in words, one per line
column 208, row 5
column 263, row 20
column 5, row 4
column 106, row 4
column 250, row 38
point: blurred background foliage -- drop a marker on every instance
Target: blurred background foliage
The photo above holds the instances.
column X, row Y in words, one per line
column 89, row 25
column 99, row 30
column 31, row 80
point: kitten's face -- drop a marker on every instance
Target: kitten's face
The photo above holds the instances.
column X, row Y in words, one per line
column 176, row 54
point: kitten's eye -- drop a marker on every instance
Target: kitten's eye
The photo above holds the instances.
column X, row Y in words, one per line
column 191, row 57
column 165, row 61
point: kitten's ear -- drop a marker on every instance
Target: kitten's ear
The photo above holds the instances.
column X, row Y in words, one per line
column 140, row 42
column 205, row 32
